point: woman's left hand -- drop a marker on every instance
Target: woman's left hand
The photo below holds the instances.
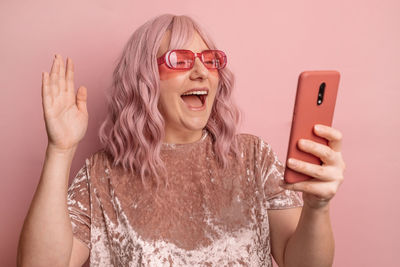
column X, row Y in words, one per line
column 329, row 176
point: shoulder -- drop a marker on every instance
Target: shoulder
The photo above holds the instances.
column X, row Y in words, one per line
column 98, row 160
column 253, row 147
column 247, row 138
column 251, row 141
column 98, row 155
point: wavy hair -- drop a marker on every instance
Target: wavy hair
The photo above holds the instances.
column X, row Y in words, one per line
column 136, row 127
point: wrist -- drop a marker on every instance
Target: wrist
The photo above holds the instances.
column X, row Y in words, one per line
column 51, row 149
column 321, row 208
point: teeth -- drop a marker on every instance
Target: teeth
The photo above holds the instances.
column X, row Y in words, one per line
column 196, row 93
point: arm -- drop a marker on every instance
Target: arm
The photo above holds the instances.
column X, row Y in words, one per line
column 47, row 226
column 46, row 238
column 312, row 244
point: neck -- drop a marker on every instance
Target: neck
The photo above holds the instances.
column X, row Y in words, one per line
column 182, row 137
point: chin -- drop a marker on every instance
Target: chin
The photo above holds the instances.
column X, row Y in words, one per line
column 195, row 123
column 195, row 126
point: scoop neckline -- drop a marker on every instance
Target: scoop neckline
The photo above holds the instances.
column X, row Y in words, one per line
column 170, row 146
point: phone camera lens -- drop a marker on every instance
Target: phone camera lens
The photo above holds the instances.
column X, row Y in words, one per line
column 321, row 93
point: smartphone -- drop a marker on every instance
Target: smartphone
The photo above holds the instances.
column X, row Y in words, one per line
column 314, row 104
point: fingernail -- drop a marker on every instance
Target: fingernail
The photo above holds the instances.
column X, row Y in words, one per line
column 291, row 161
column 317, row 127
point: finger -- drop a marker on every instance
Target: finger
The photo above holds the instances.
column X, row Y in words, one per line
column 70, row 75
column 54, row 76
column 62, row 68
column 334, row 136
column 325, row 153
column 53, row 67
column 313, row 170
column 62, row 73
column 317, row 188
column 46, row 92
column 81, row 99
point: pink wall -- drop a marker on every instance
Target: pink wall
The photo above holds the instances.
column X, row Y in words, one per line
column 361, row 39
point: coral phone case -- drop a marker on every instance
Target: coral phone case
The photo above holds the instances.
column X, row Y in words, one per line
column 315, row 104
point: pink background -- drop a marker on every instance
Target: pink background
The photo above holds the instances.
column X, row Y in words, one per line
column 268, row 44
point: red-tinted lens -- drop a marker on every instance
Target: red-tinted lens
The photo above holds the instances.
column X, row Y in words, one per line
column 183, row 59
column 180, row 59
column 214, row 59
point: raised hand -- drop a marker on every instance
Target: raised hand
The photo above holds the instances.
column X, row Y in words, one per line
column 65, row 113
column 328, row 177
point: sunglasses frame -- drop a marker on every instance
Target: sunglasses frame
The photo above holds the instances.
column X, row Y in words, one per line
column 165, row 58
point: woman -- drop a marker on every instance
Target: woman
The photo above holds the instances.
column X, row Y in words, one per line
column 175, row 184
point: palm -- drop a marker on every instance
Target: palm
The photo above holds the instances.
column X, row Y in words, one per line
column 65, row 113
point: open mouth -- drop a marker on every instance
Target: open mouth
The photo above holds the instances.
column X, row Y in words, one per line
column 194, row 101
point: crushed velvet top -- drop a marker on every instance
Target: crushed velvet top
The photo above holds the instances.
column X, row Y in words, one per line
column 208, row 217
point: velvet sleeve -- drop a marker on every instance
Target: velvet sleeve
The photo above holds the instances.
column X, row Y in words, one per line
column 78, row 203
column 271, row 171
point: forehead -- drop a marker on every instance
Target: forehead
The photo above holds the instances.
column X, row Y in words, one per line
column 196, row 45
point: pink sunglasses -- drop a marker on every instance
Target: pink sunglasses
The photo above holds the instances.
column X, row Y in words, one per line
column 182, row 59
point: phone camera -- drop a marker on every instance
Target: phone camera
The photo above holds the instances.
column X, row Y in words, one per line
column 321, row 93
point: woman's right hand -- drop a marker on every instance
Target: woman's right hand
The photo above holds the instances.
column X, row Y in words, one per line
column 66, row 116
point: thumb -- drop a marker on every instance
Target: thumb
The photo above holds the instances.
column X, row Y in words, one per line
column 81, row 98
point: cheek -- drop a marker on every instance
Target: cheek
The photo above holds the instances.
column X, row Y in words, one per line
column 213, row 72
column 214, row 77
column 167, row 74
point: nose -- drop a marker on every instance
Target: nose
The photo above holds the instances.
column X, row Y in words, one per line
column 199, row 70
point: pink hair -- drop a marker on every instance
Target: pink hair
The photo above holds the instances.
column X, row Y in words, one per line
column 136, row 134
